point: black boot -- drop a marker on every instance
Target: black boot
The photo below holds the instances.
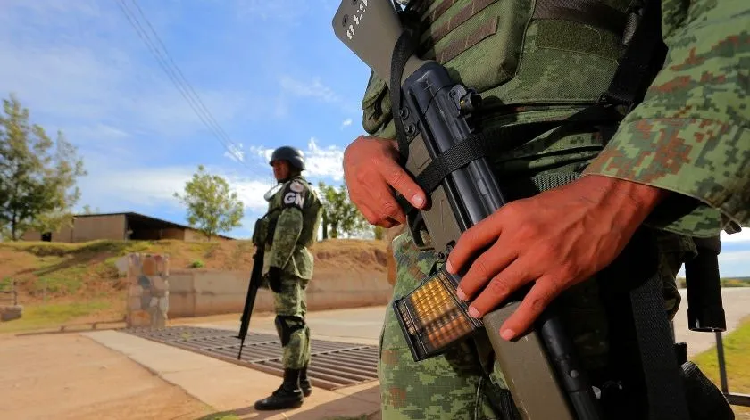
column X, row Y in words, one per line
column 304, row 383
column 289, row 394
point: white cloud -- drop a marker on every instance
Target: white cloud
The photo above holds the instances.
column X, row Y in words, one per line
column 317, row 90
column 347, row 122
column 743, row 236
column 235, row 152
column 320, row 162
column 325, row 162
column 127, row 189
column 314, row 88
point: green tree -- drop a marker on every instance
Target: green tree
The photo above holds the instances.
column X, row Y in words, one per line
column 88, row 210
column 211, row 206
column 340, row 216
column 37, row 175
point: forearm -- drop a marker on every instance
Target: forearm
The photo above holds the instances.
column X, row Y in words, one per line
column 691, row 134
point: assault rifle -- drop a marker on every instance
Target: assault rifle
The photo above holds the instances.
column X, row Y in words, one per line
column 252, row 290
column 435, row 113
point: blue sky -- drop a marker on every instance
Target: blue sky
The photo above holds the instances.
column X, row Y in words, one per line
column 268, row 72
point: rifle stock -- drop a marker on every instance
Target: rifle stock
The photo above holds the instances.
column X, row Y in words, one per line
column 540, row 368
column 252, row 291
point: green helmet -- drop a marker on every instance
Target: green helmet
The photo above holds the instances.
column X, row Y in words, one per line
column 294, row 156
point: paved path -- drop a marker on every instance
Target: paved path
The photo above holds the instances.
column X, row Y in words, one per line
column 67, row 376
column 363, row 325
column 736, row 301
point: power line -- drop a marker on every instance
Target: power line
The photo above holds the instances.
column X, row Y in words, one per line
column 179, row 80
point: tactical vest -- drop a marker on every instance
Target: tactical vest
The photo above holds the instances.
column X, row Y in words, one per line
column 266, row 225
column 527, row 59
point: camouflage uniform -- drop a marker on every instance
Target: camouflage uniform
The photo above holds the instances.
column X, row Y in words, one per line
column 295, row 211
column 690, row 136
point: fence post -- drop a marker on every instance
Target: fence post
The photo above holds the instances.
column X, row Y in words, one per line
column 722, row 362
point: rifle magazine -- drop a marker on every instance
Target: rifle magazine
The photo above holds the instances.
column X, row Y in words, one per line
column 432, row 317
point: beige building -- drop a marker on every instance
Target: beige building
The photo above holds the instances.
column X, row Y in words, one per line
column 121, row 226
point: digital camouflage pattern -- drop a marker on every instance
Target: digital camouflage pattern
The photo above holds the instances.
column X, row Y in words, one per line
column 291, row 224
column 455, row 385
column 690, row 136
column 691, row 133
column 442, row 387
column 291, row 301
column 296, row 212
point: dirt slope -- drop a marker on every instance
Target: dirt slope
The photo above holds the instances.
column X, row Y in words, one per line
column 68, row 272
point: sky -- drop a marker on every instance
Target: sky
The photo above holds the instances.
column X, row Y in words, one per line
column 123, row 80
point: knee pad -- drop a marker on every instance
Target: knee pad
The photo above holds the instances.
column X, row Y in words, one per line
column 286, row 326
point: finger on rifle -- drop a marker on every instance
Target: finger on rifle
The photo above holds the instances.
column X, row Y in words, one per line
column 472, row 240
column 501, row 286
column 388, row 208
column 402, row 182
column 371, row 216
column 540, row 295
column 377, row 218
column 487, row 265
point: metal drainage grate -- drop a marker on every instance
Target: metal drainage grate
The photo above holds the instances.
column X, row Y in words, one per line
column 333, row 365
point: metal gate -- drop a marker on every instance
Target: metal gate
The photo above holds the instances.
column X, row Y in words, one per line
column 333, row 365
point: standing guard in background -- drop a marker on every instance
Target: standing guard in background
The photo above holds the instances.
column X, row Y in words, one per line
column 290, row 226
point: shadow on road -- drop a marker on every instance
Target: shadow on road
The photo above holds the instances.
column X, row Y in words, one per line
column 341, row 408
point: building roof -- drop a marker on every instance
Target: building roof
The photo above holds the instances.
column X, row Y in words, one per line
column 147, row 220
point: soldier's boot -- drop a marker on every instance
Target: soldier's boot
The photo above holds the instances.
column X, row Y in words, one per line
column 304, row 383
column 289, row 394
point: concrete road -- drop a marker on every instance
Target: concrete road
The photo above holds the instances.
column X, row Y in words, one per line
column 363, row 325
column 736, row 301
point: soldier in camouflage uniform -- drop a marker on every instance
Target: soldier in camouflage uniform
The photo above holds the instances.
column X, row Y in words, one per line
column 678, row 163
column 290, row 226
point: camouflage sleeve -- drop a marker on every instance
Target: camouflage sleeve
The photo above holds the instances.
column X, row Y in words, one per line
column 377, row 118
column 289, row 225
column 691, row 134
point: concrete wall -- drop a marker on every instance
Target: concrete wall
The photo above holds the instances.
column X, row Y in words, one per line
column 87, row 229
column 203, row 292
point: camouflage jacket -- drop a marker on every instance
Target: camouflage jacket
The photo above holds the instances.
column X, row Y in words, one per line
column 690, row 135
column 289, row 228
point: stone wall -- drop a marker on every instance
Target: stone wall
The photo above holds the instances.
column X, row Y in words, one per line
column 9, row 307
column 148, row 290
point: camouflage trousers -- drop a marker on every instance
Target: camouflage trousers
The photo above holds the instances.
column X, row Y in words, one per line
column 290, row 303
column 462, row 383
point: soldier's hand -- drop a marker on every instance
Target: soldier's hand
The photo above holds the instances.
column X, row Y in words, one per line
column 556, row 239
column 370, row 168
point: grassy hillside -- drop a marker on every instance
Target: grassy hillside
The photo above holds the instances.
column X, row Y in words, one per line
column 70, row 272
